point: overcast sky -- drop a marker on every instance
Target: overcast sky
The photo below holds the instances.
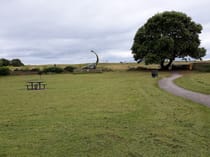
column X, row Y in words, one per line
column 64, row 31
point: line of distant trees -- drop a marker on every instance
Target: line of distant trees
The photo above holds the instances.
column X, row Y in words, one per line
column 13, row 62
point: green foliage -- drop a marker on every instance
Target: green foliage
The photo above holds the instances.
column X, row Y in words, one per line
column 16, row 62
column 35, row 70
column 69, row 68
column 4, row 62
column 53, row 69
column 108, row 115
column 180, row 67
column 13, row 62
column 24, row 69
column 4, row 71
column 166, row 36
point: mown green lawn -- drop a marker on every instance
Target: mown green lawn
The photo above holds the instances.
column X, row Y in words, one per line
column 195, row 81
column 119, row 114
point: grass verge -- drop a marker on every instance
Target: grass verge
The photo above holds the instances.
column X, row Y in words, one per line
column 195, row 81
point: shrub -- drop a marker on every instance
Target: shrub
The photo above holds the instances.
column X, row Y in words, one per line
column 53, row 70
column 4, row 71
column 69, row 68
column 25, row 69
column 181, row 67
column 204, row 67
column 35, row 70
column 16, row 69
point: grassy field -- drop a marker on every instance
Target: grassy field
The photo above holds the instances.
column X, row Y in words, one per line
column 195, row 81
column 115, row 114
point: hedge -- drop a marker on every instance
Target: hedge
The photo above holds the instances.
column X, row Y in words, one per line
column 4, row 71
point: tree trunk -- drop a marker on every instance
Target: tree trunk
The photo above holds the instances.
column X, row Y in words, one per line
column 162, row 64
column 166, row 67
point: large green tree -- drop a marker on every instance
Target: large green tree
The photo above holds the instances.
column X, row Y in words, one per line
column 167, row 36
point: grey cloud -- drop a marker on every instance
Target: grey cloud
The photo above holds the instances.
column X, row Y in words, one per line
column 64, row 31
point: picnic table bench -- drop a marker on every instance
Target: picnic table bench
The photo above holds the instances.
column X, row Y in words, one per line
column 35, row 85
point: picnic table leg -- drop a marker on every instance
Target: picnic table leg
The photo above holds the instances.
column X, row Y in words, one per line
column 39, row 86
column 36, row 86
column 32, row 86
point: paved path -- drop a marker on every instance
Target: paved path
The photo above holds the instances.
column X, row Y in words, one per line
column 168, row 85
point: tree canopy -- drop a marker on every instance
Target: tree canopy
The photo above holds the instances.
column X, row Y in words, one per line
column 167, row 36
column 16, row 62
column 4, row 62
column 13, row 62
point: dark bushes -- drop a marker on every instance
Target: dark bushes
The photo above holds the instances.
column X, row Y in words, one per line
column 53, row 70
column 4, row 71
column 35, row 70
column 181, row 67
column 69, row 68
column 203, row 67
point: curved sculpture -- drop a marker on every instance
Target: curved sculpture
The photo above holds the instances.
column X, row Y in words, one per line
column 93, row 65
column 97, row 58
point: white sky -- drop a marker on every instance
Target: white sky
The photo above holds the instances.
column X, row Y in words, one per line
column 64, row 31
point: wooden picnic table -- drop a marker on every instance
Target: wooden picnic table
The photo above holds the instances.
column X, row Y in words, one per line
column 35, row 85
